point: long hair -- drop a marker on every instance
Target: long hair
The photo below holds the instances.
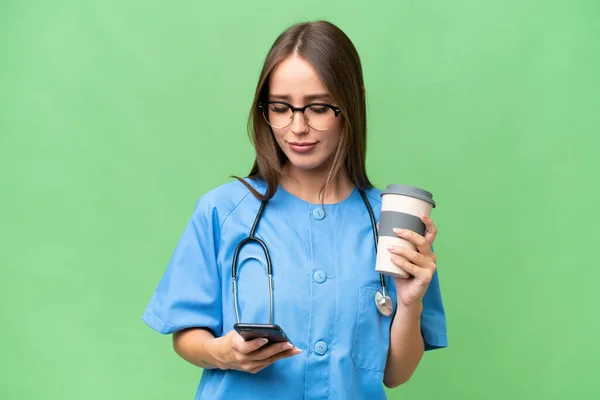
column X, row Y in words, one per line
column 334, row 57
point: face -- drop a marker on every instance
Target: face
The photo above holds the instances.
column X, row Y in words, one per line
column 295, row 81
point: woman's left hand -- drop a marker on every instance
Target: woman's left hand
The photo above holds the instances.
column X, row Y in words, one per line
column 419, row 264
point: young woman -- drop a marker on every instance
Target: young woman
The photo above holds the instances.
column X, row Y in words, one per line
column 309, row 184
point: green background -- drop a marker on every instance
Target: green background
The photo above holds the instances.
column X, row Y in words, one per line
column 115, row 116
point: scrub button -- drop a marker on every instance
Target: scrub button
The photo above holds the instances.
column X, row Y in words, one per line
column 318, row 213
column 320, row 276
column 321, row 347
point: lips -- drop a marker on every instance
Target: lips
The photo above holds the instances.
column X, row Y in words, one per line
column 302, row 147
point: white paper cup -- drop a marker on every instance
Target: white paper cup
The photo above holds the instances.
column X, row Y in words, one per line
column 401, row 207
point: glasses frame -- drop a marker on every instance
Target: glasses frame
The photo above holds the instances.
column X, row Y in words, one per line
column 263, row 107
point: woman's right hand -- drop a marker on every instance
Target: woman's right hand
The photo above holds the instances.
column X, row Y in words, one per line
column 233, row 352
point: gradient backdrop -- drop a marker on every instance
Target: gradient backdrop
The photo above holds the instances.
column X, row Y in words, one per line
column 115, row 116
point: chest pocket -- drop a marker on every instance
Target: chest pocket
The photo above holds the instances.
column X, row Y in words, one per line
column 372, row 333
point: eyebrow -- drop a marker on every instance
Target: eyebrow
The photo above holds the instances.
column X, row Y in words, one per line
column 310, row 97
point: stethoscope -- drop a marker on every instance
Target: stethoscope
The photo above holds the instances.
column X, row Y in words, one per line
column 383, row 301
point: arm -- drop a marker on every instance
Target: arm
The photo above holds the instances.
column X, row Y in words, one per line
column 406, row 345
column 406, row 338
column 191, row 345
column 199, row 347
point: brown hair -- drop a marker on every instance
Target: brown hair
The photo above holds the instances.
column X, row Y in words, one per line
column 334, row 57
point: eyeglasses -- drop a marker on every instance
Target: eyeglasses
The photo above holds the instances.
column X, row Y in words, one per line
column 279, row 114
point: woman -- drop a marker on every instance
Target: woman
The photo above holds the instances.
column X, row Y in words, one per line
column 310, row 167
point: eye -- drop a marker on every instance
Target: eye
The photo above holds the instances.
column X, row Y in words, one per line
column 319, row 109
column 278, row 108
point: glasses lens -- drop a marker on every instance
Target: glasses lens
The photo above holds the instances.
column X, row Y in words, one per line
column 319, row 117
column 278, row 115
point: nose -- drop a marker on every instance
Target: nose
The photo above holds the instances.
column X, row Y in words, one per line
column 299, row 126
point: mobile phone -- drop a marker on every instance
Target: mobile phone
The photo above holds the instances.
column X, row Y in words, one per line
column 273, row 333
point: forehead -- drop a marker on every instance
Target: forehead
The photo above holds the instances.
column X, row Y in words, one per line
column 295, row 77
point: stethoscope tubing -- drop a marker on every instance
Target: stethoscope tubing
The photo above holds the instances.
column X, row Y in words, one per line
column 252, row 238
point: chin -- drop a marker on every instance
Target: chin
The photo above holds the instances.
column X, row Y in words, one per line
column 304, row 164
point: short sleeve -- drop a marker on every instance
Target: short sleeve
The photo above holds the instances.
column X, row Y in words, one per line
column 189, row 292
column 433, row 317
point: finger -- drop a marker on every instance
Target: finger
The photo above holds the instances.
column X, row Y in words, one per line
column 413, row 256
column 256, row 366
column 423, row 275
column 270, row 351
column 419, row 241
column 246, row 347
column 432, row 230
column 285, row 354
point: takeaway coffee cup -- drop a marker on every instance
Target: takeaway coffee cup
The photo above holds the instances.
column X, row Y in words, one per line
column 401, row 207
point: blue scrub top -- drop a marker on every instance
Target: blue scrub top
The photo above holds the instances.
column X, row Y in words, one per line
column 324, row 287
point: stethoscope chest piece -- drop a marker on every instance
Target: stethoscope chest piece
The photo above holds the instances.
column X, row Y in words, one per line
column 384, row 303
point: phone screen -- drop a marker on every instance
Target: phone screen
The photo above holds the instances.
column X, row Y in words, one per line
column 273, row 333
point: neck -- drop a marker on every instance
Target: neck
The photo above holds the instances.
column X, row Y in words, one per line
column 307, row 184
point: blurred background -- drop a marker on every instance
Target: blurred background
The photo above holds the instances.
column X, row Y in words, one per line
column 115, row 116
